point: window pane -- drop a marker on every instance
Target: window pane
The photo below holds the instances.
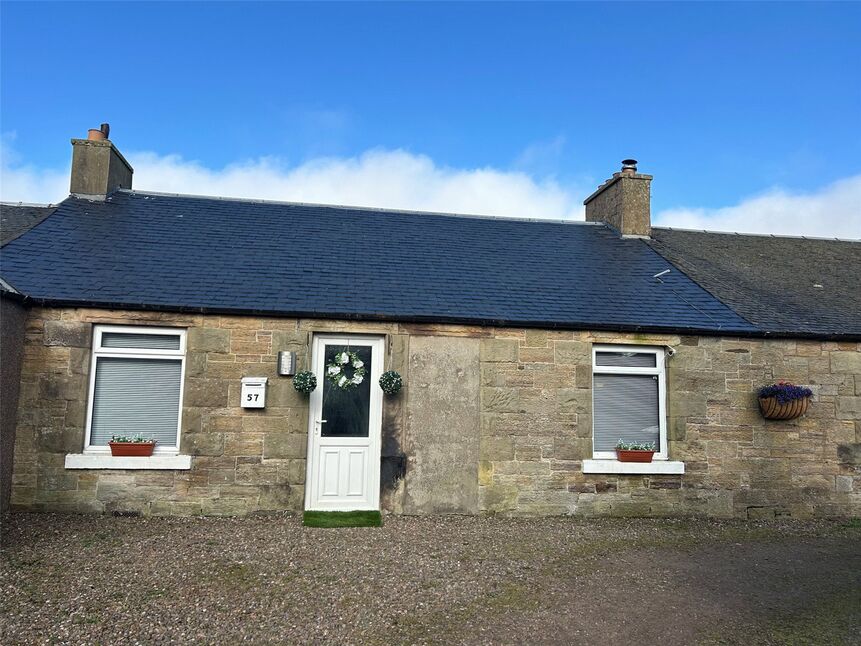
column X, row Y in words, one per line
column 136, row 396
column 626, row 359
column 625, row 407
column 347, row 412
column 140, row 341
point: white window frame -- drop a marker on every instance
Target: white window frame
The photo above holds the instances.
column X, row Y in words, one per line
column 142, row 353
column 659, row 370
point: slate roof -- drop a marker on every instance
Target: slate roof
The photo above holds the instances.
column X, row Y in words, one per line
column 783, row 285
column 146, row 250
column 17, row 219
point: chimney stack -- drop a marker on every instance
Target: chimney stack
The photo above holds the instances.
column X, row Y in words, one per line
column 98, row 168
column 623, row 202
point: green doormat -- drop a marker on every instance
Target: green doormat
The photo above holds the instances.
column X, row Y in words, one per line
column 342, row 519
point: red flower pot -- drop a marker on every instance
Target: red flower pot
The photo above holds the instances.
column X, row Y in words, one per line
column 773, row 409
column 634, row 456
column 136, row 449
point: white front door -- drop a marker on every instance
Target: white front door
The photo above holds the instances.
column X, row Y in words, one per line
column 344, row 428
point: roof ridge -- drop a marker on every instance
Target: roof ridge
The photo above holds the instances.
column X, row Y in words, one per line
column 38, row 205
column 248, row 200
column 760, row 235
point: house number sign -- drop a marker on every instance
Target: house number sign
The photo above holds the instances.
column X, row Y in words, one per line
column 253, row 393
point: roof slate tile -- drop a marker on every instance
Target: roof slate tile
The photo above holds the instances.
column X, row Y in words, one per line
column 181, row 252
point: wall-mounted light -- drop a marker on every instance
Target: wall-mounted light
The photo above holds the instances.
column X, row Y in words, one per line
column 286, row 363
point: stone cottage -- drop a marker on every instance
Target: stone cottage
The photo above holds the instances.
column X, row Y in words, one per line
column 527, row 349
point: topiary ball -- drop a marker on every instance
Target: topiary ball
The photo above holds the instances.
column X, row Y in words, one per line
column 305, row 382
column 391, row 382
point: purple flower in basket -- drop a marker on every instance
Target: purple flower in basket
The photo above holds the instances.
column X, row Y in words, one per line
column 785, row 392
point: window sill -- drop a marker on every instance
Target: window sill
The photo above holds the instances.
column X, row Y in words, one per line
column 102, row 461
column 657, row 467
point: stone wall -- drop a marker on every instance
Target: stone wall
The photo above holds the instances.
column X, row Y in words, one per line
column 490, row 420
column 536, row 429
column 244, row 460
column 12, row 318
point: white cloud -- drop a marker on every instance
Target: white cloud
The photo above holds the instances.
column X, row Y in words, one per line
column 833, row 212
column 383, row 178
column 22, row 182
column 400, row 179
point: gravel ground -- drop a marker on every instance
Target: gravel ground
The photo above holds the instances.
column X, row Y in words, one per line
column 99, row 579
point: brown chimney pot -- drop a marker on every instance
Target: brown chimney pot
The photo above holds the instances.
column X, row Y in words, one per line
column 96, row 134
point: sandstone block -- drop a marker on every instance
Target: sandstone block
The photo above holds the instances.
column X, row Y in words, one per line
column 572, row 448
column 499, row 498
column 293, row 340
column 497, row 448
column 572, row 400
column 846, row 362
column 195, row 364
column 256, row 474
column 227, row 506
column 69, row 388
column 849, row 453
column 79, row 361
column 485, row 473
column 280, row 444
column 243, row 443
column 276, row 498
column 203, row 443
column 220, row 476
column 760, row 513
column 281, row 393
column 693, row 358
column 498, row 350
column 849, row 407
column 263, row 422
column 224, row 423
column 192, row 420
column 208, row 339
column 70, row 334
column 572, row 352
column 500, row 400
column 175, row 508
column 205, row 393
column 535, row 355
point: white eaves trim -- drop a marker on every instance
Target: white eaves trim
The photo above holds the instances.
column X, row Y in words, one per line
column 657, row 467
column 154, row 462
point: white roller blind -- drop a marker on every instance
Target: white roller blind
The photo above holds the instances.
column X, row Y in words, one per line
column 626, row 359
column 140, row 341
column 625, row 407
column 134, row 396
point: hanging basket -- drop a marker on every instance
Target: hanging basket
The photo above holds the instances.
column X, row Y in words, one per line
column 391, row 382
column 773, row 409
column 305, row 382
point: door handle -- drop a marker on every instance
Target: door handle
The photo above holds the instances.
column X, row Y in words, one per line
column 319, row 425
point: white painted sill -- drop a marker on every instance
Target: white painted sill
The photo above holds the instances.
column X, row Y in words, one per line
column 108, row 461
column 657, row 467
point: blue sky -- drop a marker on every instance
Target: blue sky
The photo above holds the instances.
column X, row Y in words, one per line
column 723, row 103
